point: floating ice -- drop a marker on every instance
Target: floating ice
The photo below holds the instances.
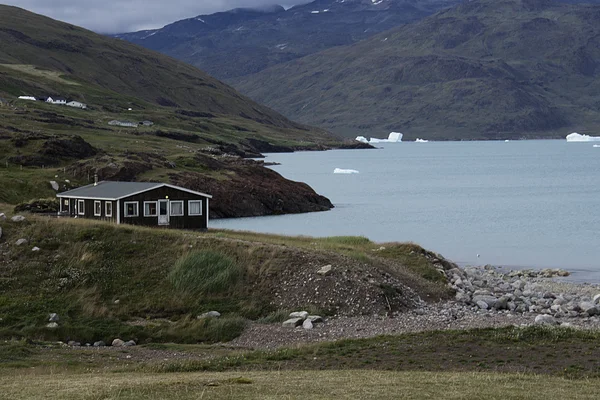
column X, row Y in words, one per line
column 393, row 137
column 421, row 140
column 596, row 145
column 344, row 171
column 576, row 137
column 506, row 141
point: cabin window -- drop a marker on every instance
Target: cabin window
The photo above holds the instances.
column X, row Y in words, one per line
column 150, row 209
column 108, row 208
column 195, row 207
column 67, row 202
column 177, row 208
column 81, row 207
column 131, row 209
column 97, row 208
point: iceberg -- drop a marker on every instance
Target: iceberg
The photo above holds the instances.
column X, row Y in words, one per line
column 576, row 137
column 344, row 171
column 421, row 140
column 393, row 137
column 596, row 145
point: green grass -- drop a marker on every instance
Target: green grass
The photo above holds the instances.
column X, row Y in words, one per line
column 108, row 281
column 204, row 272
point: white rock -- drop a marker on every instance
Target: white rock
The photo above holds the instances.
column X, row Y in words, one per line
column 326, row 270
column 118, row 343
column 53, row 317
column 307, row 324
column 35, row 249
column 54, row 185
column 52, row 325
column 482, row 304
column 596, row 298
column 2, row 217
column 18, row 218
column 210, row 314
column 129, row 343
column 293, row 322
column 314, row 318
column 545, row 319
column 99, row 343
column 299, row 314
column 20, row 242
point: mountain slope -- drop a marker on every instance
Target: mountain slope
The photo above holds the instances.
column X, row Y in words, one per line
column 483, row 69
column 244, row 41
column 27, row 38
column 197, row 129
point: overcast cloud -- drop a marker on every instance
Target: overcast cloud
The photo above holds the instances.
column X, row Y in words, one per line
column 116, row 16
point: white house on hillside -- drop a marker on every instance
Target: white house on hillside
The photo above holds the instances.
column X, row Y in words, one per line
column 56, row 100
column 76, row 104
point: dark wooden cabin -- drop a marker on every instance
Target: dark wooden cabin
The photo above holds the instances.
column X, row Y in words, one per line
column 137, row 203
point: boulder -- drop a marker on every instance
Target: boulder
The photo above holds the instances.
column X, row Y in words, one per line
column 307, row 324
column 54, row 185
column 462, row 297
column 99, row 343
column 501, row 303
column 73, row 343
column 35, row 249
column 18, row 218
column 52, row 325
column 129, row 343
column 20, row 242
column 293, row 322
column 482, row 304
column 53, row 317
column 314, row 319
column 210, row 314
column 326, row 270
column 596, row 297
column 118, row 343
column 299, row 314
column 489, row 300
column 545, row 319
column 2, row 217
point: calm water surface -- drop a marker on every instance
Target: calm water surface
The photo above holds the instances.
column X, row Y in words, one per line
column 516, row 204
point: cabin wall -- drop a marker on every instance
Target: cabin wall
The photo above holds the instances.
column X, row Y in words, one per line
column 180, row 222
column 72, row 209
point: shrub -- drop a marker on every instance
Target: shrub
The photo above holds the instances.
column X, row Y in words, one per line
column 40, row 206
column 204, row 272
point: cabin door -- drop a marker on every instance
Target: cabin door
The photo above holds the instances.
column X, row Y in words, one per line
column 163, row 212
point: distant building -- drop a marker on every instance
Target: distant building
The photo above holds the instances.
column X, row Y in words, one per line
column 56, row 100
column 76, row 104
column 147, row 123
column 27, row 98
column 129, row 124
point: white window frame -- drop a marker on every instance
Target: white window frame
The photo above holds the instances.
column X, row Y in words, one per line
column 190, row 208
column 106, row 207
column 155, row 208
column 171, row 208
column 137, row 209
column 99, row 204
column 80, row 207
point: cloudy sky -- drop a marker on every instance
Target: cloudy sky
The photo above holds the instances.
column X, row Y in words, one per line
column 115, row 16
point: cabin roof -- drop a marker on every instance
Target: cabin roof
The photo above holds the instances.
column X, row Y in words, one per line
column 110, row 190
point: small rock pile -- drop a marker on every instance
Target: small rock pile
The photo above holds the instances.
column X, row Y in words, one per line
column 487, row 288
column 298, row 318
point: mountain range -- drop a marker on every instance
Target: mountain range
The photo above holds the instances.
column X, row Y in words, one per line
column 239, row 42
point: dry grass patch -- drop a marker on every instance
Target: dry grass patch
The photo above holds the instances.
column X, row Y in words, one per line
column 296, row 384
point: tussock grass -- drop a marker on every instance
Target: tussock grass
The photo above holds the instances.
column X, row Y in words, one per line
column 204, row 272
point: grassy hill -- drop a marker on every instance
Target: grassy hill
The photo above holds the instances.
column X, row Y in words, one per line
column 201, row 126
column 106, row 281
column 482, row 70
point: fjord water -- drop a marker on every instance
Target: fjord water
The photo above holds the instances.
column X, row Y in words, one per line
column 519, row 204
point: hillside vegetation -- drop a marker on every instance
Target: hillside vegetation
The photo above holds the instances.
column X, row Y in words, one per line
column 484, row 69
column 201, row 127
column 107, row 281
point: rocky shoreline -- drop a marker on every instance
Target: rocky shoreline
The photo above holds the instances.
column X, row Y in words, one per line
column 486, row 297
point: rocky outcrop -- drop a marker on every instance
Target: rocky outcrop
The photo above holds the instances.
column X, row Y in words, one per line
column 252, row 190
